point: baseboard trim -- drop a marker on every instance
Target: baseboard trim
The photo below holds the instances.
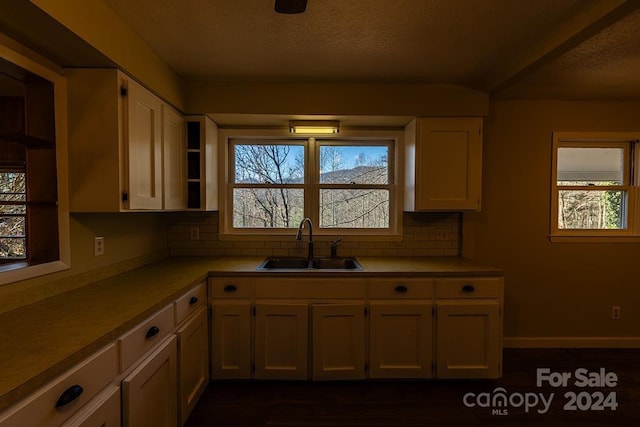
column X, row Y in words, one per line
column 572, row 342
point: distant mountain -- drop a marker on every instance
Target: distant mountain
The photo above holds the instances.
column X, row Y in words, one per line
column 357, row 175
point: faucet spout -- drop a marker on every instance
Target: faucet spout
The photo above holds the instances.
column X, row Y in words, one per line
column 299, row 235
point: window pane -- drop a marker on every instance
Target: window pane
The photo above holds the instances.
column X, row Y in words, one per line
column 12, row 226
column 13, row 186
column 361, row 208
column 267, row 207
column 591, row 209
column 354, row 164
column 590, row 166
column 12, row 248
column 13, row 209
column 269, row 164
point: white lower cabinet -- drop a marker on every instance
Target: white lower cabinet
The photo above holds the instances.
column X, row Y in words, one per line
column 469, row 341
column 338, row 349
column 149, row 393
column 284, row 328
column 231, row 339
column 193, row 357
column 401, row 339
column 281, row 340
column 469, row 327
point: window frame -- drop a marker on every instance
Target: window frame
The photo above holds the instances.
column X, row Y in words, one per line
column 630, row 143
column 228, row 136
column 21, row 269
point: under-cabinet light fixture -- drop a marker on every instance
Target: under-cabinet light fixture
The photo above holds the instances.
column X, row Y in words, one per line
column 314, row 126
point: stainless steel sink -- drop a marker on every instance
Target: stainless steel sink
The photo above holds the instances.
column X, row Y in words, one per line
column 297, row 263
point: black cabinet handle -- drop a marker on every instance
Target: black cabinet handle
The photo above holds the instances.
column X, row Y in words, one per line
column 152, row 332
column 468, row 288
column 401, row 289
column 69, row 395
column 230, row 288
column 193, row 300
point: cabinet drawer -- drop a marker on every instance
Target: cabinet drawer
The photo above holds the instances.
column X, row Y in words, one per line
column 144, row 336
column 305, row 287
column 103, row 411
column 230, row 287
column 472, row 287
column 401, row 288
column 85, row 380
column 190, row 302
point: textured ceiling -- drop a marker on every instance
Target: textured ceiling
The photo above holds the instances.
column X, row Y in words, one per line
column 509, row 46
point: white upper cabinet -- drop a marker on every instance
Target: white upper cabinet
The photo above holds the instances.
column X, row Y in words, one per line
column 126, row 146
column 173, row 154
column 443, row 164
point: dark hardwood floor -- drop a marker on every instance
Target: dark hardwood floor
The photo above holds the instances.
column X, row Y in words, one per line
column 439, row 403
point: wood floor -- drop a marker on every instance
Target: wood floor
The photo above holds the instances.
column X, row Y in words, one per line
column 436, row 403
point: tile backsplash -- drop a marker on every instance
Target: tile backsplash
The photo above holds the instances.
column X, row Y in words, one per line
column 424, row 234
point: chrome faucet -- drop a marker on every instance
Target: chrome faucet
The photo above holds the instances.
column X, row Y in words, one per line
column 299, row 236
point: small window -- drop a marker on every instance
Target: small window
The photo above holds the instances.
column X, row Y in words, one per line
column 593, row 185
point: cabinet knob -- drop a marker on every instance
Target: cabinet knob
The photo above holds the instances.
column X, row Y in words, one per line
column 401, row 289
column 468, row 288
column 152, row 332
column 193, row 300
column 230, row 288
column 69, row 395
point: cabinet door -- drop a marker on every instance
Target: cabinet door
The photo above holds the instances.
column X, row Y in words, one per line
column 338, row 341
column 401, row 339
column 231, row 339
column 193, row 362
column 448, row 163
column 149, row 393
column 103, row 411
column 468, row 339
column 174, row 160
column 143, row 131
column 281, row 340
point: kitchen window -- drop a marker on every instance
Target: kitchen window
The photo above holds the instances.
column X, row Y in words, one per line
column 346, row 184
column 594, row 186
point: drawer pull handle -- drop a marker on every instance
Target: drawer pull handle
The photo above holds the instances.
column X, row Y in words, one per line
column 152, row 332
column 193, row 300
column 230, row 288
column 401, row 289
column 69, row 395
column 468, row 288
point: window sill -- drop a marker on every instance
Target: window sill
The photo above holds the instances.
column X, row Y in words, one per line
column 318, row 237
column 25, row 271
column 594, row 239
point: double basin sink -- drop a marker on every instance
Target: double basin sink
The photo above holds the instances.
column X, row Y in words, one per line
column 297, row 263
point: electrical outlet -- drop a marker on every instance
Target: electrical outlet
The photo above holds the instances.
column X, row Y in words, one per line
column 195, row 233
column 98, row 246
column 615, row 312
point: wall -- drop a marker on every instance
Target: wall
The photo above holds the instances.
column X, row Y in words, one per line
column 553, row 291
column 100, row 27
column 419, row 239
column 336, row 99
column 131, row 240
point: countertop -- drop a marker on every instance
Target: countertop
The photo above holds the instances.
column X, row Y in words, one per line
column 42, row 340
